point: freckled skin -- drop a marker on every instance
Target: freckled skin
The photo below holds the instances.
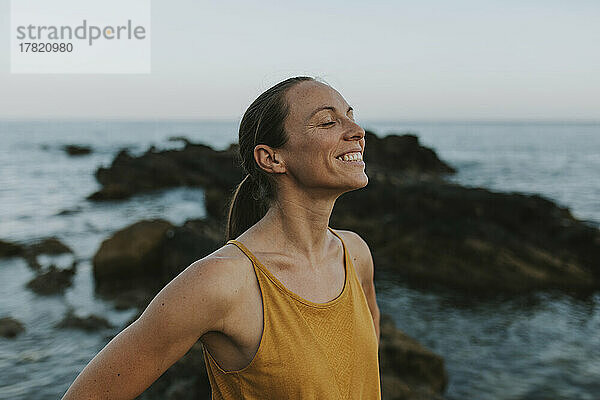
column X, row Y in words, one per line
column 217, row 299
column 315, row 140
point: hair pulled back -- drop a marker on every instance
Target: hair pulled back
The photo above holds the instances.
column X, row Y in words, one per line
column 262, row 123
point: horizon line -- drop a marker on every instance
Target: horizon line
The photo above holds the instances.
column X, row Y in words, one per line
column 362, row 121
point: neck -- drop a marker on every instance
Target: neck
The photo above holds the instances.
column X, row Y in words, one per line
column 299, row 226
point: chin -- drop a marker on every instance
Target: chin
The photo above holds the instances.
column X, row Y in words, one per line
column 358, row 183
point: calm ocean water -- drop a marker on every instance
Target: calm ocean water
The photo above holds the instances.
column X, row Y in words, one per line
column 539, row 346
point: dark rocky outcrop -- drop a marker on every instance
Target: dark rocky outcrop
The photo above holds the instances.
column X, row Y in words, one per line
column 89, row 323
column 200, row 165
column 70, row 211
column 30, row 251
column 473, row 239
column 402, row 156
column 10, row 249
column 141, row 258
column 49, row 245
column 420, row 227
column 10, row 327
column 408, row 370
column 195, row 165
column 77, row 150
column 53, row 281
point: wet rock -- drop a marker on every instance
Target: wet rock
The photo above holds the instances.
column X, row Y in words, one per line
column 130, row 298
column 71, row 211
column 49, row 245
column 200, row 165
column 89, row 323
column 423, row 229
column 471, row 239
column 10, row 327
column 195, row 165
column 9, row 249
column 148, row 254
column 216, row 202
column 77, row 150
column 52, row 281
column 130, row 256
column 409, row 371
column 402, row 153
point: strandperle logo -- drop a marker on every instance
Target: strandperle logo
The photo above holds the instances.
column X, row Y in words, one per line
column 80, row 36
column 84, row 31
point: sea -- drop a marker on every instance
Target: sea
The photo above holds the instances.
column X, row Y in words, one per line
column 544, row 345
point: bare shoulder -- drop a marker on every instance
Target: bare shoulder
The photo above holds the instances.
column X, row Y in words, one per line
column 359, row 251
column 205, row 292
column 223, row 273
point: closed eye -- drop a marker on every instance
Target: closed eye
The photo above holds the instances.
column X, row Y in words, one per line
column 328, row 123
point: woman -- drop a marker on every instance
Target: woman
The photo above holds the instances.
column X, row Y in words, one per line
column 286, row 309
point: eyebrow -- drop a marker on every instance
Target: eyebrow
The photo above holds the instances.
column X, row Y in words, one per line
column 327, row 108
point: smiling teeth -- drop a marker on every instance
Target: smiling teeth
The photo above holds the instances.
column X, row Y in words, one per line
column 350, row 157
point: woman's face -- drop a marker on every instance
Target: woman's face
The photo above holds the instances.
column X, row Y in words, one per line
column 321, row 129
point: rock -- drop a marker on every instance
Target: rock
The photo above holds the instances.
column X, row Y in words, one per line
column 217, row 203
column 130, row 256
column 148, row 254
column 77, row 150
column 427, row 231
column 471, row 239
column 10, row 327
column 194, row 165
column 131, row 298
column 9, row 249
column 200, row 165
column 401, row 153
column 112, row 191
column 53, row 281
column 71, row 211
column 89, row 323
column 49, row 245
column 409, row 371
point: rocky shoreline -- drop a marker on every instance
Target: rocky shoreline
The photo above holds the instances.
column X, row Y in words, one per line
column 421, row 228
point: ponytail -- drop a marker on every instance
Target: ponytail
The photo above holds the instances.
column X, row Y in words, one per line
column 247, row 207
column 262, row 123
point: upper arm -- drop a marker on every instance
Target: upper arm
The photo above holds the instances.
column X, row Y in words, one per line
column 193, row 303
column 365, row 269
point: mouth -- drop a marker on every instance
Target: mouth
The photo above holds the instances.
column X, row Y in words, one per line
column 351, row 158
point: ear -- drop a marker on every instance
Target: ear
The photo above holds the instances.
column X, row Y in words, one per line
column 269, row 160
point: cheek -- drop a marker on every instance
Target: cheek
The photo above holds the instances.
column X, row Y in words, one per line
column 313, row 157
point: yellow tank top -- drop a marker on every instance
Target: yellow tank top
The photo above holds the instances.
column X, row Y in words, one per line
column 325, row 351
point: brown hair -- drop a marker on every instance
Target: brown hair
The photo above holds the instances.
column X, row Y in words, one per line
column 262, row 123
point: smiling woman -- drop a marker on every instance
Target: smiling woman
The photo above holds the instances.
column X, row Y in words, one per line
column 289, row 310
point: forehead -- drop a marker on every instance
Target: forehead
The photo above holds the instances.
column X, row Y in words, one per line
column 307, row 96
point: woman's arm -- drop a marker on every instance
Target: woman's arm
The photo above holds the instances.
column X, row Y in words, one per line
column 193, row 303
column 363, row 262
column 368, row 285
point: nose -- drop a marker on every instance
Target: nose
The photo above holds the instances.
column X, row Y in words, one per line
column 354, row 131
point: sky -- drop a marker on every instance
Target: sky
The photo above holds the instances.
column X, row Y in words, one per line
column 391, row 60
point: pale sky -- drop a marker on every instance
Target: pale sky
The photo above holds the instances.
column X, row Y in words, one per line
column 393, row 60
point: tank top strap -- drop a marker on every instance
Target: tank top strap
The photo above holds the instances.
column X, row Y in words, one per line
column 258, row 264
column 249, row 254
